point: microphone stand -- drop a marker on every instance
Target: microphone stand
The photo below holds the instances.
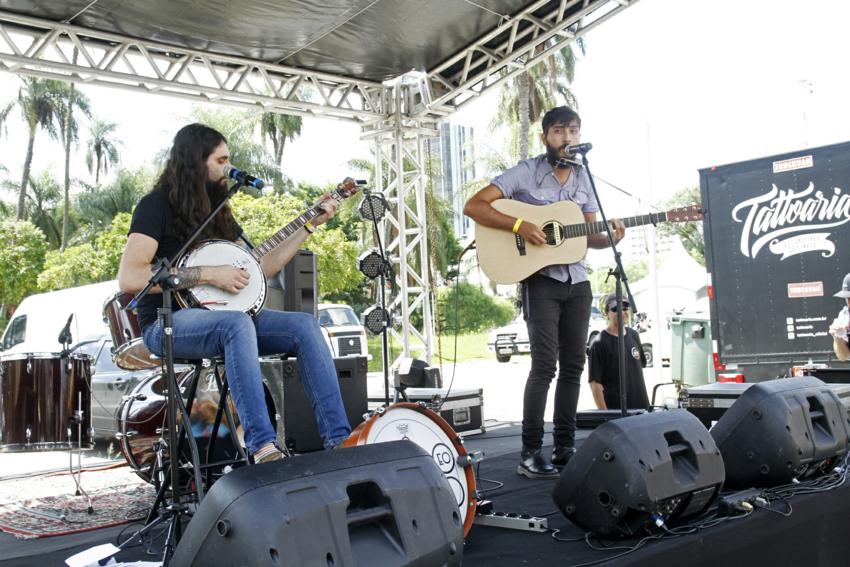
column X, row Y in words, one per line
column 386, row 269
column 167, row 281
column 620, row 280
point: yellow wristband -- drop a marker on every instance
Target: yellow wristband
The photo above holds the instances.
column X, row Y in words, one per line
column 309, row 227
column 516, row 225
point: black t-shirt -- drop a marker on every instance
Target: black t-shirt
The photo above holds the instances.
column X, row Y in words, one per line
column 603, row 368
column 153, row 217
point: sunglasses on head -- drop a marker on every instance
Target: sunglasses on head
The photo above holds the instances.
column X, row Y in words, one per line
column 615, row 308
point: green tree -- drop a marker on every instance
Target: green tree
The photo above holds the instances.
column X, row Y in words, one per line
column 279, row 128
column 70, row 133
column 466, row 308
column 101, row 148
column 41, row 103
column 21, row 260
column 72, row 267
column 42, row 206
column 86, row 263
column 97, row 206
column 525, row 99
column 690, row 233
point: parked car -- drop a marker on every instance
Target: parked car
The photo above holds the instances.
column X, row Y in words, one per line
column 109, row 385
column 343, row 332
column 38, row 320
column 512, row 339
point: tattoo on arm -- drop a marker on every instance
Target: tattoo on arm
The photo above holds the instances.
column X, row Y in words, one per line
column 189, row 277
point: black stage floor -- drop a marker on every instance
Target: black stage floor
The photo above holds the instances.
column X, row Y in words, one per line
column 814, row 534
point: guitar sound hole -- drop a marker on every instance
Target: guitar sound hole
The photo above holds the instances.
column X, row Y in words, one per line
column 554, row 233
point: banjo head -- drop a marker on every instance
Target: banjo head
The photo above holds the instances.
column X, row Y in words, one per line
column 222, row 252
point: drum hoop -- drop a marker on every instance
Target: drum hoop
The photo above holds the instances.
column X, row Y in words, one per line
column 365, row 428
column 31, row 356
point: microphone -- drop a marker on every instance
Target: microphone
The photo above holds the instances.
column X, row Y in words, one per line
column 237, row 175
column 579, row 148
column 65, row 334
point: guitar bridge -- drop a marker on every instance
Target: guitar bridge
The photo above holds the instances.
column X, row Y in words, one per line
column 520, row 244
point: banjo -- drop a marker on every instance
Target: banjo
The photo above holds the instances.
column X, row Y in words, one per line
column 251, row 298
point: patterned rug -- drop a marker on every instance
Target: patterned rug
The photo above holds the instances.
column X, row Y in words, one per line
column 44, row 506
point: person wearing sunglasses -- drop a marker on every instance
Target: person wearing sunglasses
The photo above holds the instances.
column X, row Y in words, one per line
column 603, row 362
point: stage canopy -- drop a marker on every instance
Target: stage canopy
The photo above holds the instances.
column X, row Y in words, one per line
column 326, row 57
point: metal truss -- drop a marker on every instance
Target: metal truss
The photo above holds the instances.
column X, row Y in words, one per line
column 399, row 175
column 41, row 48
column 519, row 43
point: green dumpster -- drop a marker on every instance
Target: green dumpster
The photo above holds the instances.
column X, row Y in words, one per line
column 691, row 360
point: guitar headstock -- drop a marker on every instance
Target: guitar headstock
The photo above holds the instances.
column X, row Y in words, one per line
column 685, row 214
column 349, row 187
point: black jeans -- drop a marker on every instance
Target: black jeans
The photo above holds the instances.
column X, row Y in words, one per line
column 557, row 315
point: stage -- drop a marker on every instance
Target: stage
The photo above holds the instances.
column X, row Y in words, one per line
column 814, row 533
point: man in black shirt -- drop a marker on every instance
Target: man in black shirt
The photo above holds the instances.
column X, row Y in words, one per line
column 190, row 186
column 604, row 362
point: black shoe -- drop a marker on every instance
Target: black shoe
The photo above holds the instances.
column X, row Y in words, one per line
column 533, row 465
column 561, row 455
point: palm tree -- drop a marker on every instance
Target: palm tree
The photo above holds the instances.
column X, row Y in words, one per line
column 279, row 128
column 70, row 134
column 536, row 90
column 102, row 148
column 98, row 205
column 42, row 206
column 42, row 104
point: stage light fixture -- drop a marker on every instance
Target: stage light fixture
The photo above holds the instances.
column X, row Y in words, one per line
column 373, row 207
column 376, row 319
column 371, row 265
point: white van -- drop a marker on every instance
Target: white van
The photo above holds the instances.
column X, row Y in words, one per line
column 343, row 332
column 37, row 322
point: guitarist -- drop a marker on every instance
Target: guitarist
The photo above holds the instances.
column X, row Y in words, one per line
column 191, row 184
column 556, row 300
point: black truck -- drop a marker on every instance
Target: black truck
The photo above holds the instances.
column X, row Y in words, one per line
column 777, row 245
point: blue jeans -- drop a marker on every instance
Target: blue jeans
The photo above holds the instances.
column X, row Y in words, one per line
column 241, row 340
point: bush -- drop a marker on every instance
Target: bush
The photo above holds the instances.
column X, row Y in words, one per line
column 467, row 309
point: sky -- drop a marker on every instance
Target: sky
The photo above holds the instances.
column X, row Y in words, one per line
column 665, row 88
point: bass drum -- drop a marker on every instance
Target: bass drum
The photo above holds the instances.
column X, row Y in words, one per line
column 413, row 422
column 142, row 419
column 45, row 402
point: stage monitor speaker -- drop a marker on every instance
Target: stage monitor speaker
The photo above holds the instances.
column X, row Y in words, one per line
column 781, row 430
column 415, row 373
column 382, row 504
column 283, row 379
column 296, row 287
column 632, row 470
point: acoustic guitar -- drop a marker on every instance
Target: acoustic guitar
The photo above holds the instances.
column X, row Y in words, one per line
column 506, row 258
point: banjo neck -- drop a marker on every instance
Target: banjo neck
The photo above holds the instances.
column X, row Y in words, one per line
column 278, row 237
column 343, row 191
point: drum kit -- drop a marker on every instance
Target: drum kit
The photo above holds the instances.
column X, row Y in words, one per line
column 46, row 402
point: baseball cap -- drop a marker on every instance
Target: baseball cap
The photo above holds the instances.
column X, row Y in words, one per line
column 845, row 288
column 611, row 301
